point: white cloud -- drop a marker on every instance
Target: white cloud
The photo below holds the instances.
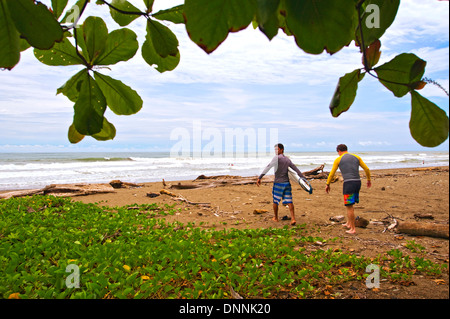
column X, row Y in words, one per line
column 417, row 19
column 374, row 143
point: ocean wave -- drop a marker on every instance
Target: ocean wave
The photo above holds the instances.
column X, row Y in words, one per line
column 29, row 171
column 104, row 159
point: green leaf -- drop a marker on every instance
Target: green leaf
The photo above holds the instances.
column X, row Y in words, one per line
column 71, row 89
column 429, row 124
column 35, row 23
column 62, row 53
column 73, row 135
column 376, row 17
column 121, row 45
column 267, row 17
column 120, row 98
column 149, row 5
column 73, row 13
column 164, row 40
column 58, row 7
column 153, row 58
column 95, row 34
column 24, row 45
column 345, row 93
column 321, row 24
column 209, row 22
column 401, row 73
column 89, row 107
column 9, row 39
column 174, row 14
column 120, row 18
column 108, row 132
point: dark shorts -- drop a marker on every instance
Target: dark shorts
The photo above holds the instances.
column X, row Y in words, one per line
column 351, row 192
column 282, row 191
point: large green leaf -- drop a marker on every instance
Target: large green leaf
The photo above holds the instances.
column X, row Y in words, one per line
column 429, row 124
column 9, row 39
column 89, row 107
column 120, row 18
column 35, row 23
column 267, row 17
column 95, row 34
column 149, row 5
column 71, row 89
column 73, row 135
column 62, row 53
column 120, row 98
column 209, row 22
column 58, row 7
column 174, row 14
column 376, row 17
column 164, row 40
column 121, row 45
column 345, row 93
column 401, row 74
column 152, row 58
column 108, row 132
column 322, row 24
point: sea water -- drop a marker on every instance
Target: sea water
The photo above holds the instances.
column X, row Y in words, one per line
column 37, row 170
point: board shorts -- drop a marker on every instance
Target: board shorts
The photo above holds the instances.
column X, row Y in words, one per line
column 282, row 191
column 351, row 192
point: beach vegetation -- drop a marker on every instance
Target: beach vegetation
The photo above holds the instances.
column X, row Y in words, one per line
column 59, row 39
column 121, row 253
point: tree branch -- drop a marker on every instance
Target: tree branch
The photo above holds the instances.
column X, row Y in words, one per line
column 86, row 63
column 139, row 13
column 362, row 45
column 74, row 24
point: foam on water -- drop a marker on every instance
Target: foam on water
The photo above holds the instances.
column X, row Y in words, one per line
column 36, row 170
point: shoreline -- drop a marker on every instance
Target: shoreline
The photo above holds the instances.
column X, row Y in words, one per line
column 175, row 180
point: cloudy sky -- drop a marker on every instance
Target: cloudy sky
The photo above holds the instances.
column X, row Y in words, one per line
column 248, row 83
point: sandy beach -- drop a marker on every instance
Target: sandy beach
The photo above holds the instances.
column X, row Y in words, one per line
column 401, row 193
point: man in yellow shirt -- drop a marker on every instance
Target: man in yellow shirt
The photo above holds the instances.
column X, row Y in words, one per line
column 349, row 165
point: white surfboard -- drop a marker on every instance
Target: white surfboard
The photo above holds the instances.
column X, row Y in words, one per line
column 303, row 182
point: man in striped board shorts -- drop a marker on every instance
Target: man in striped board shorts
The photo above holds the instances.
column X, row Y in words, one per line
column 349, row 165
column 282, row 189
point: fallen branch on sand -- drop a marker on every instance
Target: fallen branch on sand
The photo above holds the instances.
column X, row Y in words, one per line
column 421, row 229
column 181, row 198
column 63, row 190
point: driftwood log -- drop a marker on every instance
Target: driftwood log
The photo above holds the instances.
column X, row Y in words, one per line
column 421, row 229
column 119, row 184
column 434, row 168
column 204, row 181
column 63, row 190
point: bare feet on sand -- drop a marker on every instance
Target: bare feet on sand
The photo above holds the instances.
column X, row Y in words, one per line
column 293, row 222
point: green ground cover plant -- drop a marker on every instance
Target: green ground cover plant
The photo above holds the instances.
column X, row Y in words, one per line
column 133, row 252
